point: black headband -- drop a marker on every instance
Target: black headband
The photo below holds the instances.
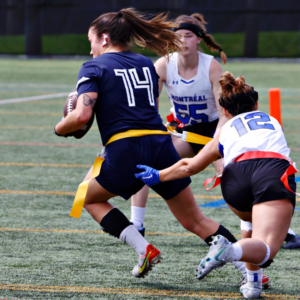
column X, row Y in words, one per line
column 192, row 27
column 239, row 103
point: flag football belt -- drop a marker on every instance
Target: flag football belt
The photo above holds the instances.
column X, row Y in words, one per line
column 83, row 187
column 190, row 137
column 186, row 136
column 260, row 154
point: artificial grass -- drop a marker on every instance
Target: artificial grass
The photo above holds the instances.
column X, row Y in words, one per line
column 55, row 258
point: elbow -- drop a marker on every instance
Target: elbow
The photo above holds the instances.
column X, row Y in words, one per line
column 190, row 171
column 83, row 119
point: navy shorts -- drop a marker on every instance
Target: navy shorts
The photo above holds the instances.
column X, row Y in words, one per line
column 205, row 129
column 122, row 156
column 253, row 181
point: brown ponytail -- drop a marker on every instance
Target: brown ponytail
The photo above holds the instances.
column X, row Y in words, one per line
column 236, row 96
column 231, row 85
column 198, row 20
column 155, row 34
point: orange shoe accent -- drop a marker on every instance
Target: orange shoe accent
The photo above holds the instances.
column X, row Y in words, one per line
column 152, row 257
column 265, row 281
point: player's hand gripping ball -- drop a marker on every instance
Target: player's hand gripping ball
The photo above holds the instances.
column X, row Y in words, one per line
column 70, row 105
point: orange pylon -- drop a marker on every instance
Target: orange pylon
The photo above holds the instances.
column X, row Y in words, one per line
column 274, row 104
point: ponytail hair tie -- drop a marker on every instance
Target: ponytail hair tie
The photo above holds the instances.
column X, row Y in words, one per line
column 120, row 14
column 220, row 49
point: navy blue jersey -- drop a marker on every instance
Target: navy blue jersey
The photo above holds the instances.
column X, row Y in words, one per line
column 127, row 87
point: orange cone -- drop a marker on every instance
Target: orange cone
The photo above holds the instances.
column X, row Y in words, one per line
column 274, row 104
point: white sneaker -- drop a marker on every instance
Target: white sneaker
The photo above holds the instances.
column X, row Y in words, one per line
column 266, row 282
column 250, row 292
column 220, row 251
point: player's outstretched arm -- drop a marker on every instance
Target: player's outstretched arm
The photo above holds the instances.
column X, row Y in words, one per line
column 184, row 168
column 79, row 116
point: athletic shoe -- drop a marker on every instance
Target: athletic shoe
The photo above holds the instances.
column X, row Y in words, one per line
column 220, row 250
column 250, row 292
column 266, row 284
column 152, row 257
column 293, row 243
column 142, row 231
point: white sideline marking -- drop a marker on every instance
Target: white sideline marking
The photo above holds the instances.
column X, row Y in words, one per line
column 34, row 98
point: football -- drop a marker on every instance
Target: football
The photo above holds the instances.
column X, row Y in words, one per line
column 69, row 106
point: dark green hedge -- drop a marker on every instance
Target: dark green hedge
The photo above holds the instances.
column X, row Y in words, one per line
column 271, row 44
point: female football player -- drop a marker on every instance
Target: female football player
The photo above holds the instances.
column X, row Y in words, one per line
column 257, row 182
column 192, row 82
column 122, row 87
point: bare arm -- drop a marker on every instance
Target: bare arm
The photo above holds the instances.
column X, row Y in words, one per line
column 215, row 73
column 80, row 115
column 161, row 70
column 191, row 166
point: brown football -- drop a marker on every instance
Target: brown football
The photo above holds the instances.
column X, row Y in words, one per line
column 69, row 106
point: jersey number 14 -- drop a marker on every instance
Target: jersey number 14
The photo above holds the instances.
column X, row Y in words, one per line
column 137, row 83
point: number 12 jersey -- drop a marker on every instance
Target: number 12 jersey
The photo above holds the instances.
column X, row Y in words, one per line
column 251, row 131
column 127, row 87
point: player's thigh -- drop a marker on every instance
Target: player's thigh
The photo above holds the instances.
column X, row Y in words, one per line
column 184, row 149
column 96, row 193
column 89, row 174
column 218, row 165
column 140, row 198
column 271, row 221
column 245, row 216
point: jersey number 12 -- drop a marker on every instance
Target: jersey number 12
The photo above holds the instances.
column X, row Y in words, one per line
column 137, row 83
column 252, row 123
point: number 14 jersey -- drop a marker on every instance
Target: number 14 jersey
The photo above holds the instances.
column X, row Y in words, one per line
column 127, row 87
column 251, row 131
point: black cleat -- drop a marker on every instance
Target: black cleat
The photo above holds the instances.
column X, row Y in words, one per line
column 292, row 243
column 142, row 231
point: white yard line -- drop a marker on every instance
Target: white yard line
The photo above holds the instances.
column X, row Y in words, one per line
column 34, row 98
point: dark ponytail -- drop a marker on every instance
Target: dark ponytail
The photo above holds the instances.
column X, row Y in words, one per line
column 208, row 39
column 127, row 24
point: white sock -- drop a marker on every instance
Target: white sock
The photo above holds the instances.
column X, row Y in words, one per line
column 138, row 216
column 291, row 232
column 246, row 226
column 240, row 265
column 255, row 278
column 134, row 239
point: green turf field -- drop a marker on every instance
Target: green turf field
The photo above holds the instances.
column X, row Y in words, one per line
column 45, row 254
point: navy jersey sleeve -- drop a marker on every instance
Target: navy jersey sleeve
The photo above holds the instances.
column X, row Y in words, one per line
column 88, row 79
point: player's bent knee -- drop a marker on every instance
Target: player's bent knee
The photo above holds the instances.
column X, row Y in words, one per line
column 266, row 261
column 266, row 264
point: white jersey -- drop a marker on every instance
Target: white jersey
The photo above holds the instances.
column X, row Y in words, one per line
column 251, row 131
column 193, row 99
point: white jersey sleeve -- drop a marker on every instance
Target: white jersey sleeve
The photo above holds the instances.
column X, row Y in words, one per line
column 251, row 131
column 193, row 99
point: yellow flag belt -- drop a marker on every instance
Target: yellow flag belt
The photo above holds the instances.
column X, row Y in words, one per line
column 83, row 187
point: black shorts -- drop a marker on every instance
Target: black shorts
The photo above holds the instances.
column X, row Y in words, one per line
column 253, row 181
column 205, row 129
column 122, row 156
